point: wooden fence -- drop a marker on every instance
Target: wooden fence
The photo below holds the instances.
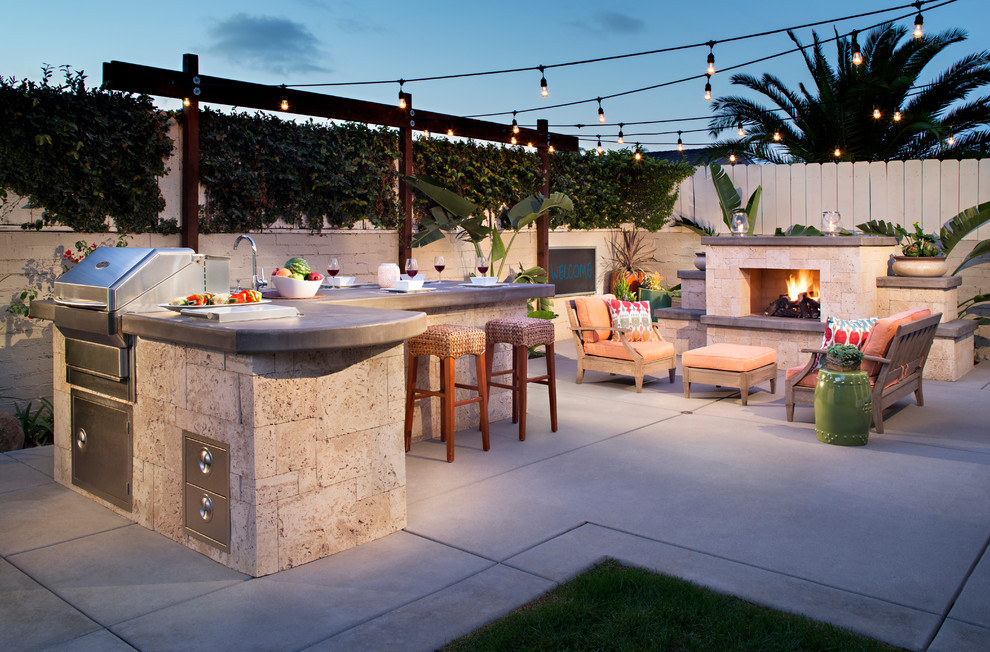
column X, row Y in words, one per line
column 928, row 192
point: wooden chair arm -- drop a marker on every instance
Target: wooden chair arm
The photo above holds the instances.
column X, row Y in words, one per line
column 822, row 351
column 874, row 358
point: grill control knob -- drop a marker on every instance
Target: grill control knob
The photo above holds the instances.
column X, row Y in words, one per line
column 205, row 461
column 81, row 439
column 206, row 509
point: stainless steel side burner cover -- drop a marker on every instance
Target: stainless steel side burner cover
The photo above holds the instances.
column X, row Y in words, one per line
column 112, row 277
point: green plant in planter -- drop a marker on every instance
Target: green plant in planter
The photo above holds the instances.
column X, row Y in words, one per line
column 919, row 244
column 620, row 288
column 654, row 290
column 843, row 355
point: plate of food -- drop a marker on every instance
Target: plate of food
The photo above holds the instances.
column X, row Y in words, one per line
column 211, row 300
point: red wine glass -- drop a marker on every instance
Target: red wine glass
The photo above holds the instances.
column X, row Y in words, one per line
column 482, row 265
column 439, row 264
column 412, row 268
column 333, row 268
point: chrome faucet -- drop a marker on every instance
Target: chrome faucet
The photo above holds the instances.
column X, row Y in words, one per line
column 256, row 282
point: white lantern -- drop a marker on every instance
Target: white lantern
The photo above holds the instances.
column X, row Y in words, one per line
column 739, row 224
column 388, row 274
column 830, row 222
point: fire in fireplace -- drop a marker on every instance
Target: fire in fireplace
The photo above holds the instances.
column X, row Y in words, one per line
column 802, row 300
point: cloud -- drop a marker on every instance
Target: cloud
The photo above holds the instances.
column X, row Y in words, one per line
column 610, row 22
column 275, row 45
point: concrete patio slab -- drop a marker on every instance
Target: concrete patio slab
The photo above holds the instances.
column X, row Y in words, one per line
column 453, row 612
column 16, row 475
column 47, row 514
column 100, row 641
column 38, row 458
column 34, row 617
column 305, row 605
column 124, row 573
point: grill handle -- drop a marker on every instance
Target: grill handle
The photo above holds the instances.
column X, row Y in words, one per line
column 81, row 303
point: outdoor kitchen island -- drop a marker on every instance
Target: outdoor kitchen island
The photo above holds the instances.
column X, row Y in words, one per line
column 268, row 444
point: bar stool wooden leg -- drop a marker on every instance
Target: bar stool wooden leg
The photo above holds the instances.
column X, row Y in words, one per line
column 520, row 378
column 410, row 398
column 552, row 386
column 482, row 373
column 489, row 365
column 443, row 413
column 447, row 407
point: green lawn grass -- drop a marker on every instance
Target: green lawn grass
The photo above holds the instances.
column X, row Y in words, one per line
column 615, row 607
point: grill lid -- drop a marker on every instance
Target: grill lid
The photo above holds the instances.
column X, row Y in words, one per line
column 112, row 277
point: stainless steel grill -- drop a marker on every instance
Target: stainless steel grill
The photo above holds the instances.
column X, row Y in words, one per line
column 90, row 300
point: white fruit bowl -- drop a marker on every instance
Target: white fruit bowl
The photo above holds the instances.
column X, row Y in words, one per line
column 295, row 289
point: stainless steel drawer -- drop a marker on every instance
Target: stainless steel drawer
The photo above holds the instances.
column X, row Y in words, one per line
column 206, row 465
column 207, row 516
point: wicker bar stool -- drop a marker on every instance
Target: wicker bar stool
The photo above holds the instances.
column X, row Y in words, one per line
column 448, row 342
column 521, row 333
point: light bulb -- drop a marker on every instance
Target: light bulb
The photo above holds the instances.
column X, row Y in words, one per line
column 513, row 140
column 638, row 156
column 450, row 131
column 620, row 141
column 711, row 64
column 599, row 148
column 515, row 125
column 776, row 136
column 530, row 144
column 186, row 102
column 543, row 84
column 918, row 22
column 951, row 140
column 837, row 153
column 284, row 104
column 601, row 111
column 551, row 149
column 732, row 158
column 876, row 112
column 680, row 144
column 897, row 116
column 402, row 96
column 708, row 88
column 741, row 131
column 857, row 56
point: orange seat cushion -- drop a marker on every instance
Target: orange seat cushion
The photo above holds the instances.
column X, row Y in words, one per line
column 883, row 332
column 729, row 357
column 592, row 312
column 651, row 350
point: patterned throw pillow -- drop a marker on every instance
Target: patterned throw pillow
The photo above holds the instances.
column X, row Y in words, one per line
column 634, row 315
column 848, row 331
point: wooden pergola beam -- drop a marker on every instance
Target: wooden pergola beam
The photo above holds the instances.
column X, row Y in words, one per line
column 189, row 85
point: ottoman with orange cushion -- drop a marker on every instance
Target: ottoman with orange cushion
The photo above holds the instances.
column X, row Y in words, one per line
column 730, row 365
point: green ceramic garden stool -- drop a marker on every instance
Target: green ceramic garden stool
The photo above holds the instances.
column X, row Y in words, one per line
column 843, row 407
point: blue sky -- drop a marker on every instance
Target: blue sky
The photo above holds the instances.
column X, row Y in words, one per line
column 316, row 41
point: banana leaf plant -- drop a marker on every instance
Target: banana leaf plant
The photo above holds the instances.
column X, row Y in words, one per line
column 455, row 214
column 729, row 200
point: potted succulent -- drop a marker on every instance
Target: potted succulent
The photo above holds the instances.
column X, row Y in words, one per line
column 629, row 253
column 620, row 288
column 922, row 254
column 653, row 289
column 843, row 357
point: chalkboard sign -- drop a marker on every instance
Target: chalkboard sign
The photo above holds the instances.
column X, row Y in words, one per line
column 573, row 269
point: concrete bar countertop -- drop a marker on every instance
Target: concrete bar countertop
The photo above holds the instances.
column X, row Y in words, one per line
column 335, row 319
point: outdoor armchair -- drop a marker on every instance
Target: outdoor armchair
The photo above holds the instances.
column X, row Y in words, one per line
column 602, row 347
column 894, row 359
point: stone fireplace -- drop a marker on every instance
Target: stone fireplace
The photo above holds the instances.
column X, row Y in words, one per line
column 726, row 302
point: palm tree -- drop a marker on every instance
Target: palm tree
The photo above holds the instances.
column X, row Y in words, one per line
column 838, row 112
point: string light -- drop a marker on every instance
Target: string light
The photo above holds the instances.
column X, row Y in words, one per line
column 680, row 143
column 620, row 141
column 601, row 111
column 543, row 83
column 513, row 140
column 551, row 149
column 708, row 88
column 402, row 96
column 600, row 149
column 776, row 136
column 950, row 140
column 284, row 104
column 450, row 128
column 637, row 155
column 897, row 116
column 732, row 158
column 837, row 153
column 186, row 101
column 711, row 58
column 857, row 56
column 515, row 125
column 740, row 130
column 919, row 20
column 876, row 112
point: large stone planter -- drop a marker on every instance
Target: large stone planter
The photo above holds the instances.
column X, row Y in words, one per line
column 657, row 299
column 921, row 266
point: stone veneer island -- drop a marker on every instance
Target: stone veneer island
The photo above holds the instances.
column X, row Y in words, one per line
column 308, row 412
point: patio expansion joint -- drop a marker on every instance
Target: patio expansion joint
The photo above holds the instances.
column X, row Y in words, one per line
column 952, row 603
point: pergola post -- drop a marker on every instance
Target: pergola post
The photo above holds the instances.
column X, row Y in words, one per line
column 189, row 208
column 543, row 221
column 405, row 190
